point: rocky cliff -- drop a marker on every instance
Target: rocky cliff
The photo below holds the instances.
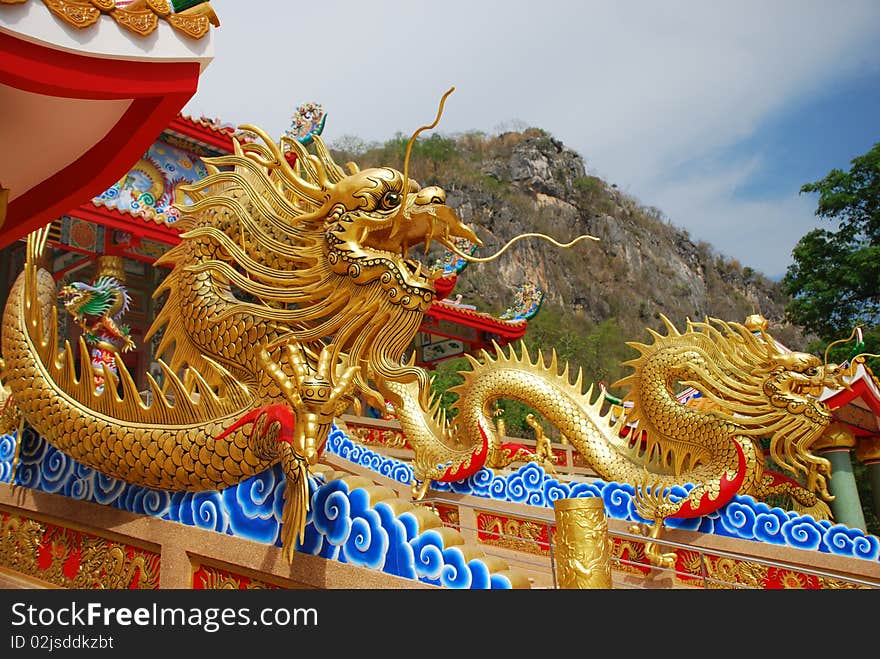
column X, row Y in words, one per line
column 598, row 295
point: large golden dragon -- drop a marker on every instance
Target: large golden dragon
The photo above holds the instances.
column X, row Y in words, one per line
column 291, row 294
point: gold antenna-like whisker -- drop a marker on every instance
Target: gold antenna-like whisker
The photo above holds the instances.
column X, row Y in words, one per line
column 834, row 343
column 412, row 140
column 486, row 259
column 862, row 354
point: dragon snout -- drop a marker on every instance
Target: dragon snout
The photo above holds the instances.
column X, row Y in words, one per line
column 432, row 194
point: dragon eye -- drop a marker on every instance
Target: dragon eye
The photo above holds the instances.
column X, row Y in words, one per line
column 390, row 200
column 812, row 371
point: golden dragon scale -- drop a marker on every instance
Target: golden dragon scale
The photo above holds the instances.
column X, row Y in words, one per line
column 158, row 445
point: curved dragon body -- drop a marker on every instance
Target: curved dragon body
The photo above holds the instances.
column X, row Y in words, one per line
column 290, row 286
column 660, row 443
column 159, row 445
column 596, row 436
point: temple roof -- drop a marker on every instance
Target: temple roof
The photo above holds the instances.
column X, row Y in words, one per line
column 138, row 17
column 78, row 60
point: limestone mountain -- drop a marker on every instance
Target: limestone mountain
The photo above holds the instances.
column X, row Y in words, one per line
column 598, row 295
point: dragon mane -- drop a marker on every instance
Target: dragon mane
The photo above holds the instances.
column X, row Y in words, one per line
column 257, row 225
column 105, row 294
column 730, row 365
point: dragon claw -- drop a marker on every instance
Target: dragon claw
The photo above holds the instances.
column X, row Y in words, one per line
column 262, row 419
column 419, row 489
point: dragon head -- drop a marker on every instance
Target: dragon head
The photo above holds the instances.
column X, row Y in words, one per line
column 799, row 376
column 302, row 249
column 105, row 296
column 74, row 294
column 747, row 380
column 298, row 249
column 375, row 224
column 81, row 299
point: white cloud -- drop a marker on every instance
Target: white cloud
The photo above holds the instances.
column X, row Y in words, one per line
column 760, row 233
column 640, row 89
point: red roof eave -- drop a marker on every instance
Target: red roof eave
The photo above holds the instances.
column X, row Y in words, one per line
column 115, row 219
column 858, row 388
column 157, row 91
column 218, row 138
column 510, row 330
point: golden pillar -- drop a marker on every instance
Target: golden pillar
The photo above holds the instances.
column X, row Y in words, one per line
column 583, row 548
column 110, row 266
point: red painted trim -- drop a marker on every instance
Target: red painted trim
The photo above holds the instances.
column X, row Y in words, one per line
column 115, row 219
column 158, row 91
column 96, row 170
column 485, row 323
column 52, row 72
column 858, row 388
column 71, row 248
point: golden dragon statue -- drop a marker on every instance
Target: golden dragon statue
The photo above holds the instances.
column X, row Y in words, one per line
column 291, row 293
column 759, row 391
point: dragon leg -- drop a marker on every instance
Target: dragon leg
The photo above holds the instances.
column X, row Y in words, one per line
column 653, row 503
column 295, row 432
column 803, row 500
column 273, row 433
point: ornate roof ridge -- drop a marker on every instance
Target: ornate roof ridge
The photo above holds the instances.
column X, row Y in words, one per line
column 138, row 16
column 206, row 122
column 142, row 214
column 479, row 314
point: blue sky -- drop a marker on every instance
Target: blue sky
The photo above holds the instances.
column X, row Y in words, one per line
column 714, row 112
column 804, row 142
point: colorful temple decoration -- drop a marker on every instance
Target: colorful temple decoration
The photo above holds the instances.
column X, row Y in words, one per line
column 192, row 18
column 147, row 189
column 71, row 558
column 526, row 303
column 449, row 263
column 342, row 526
column 743, row 517
column 308, row 120
column 450, row 328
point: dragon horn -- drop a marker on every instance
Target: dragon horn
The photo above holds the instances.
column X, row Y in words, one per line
column 412, row 140
column 839, row 341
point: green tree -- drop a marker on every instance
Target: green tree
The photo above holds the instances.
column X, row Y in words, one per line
column 834, row 280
